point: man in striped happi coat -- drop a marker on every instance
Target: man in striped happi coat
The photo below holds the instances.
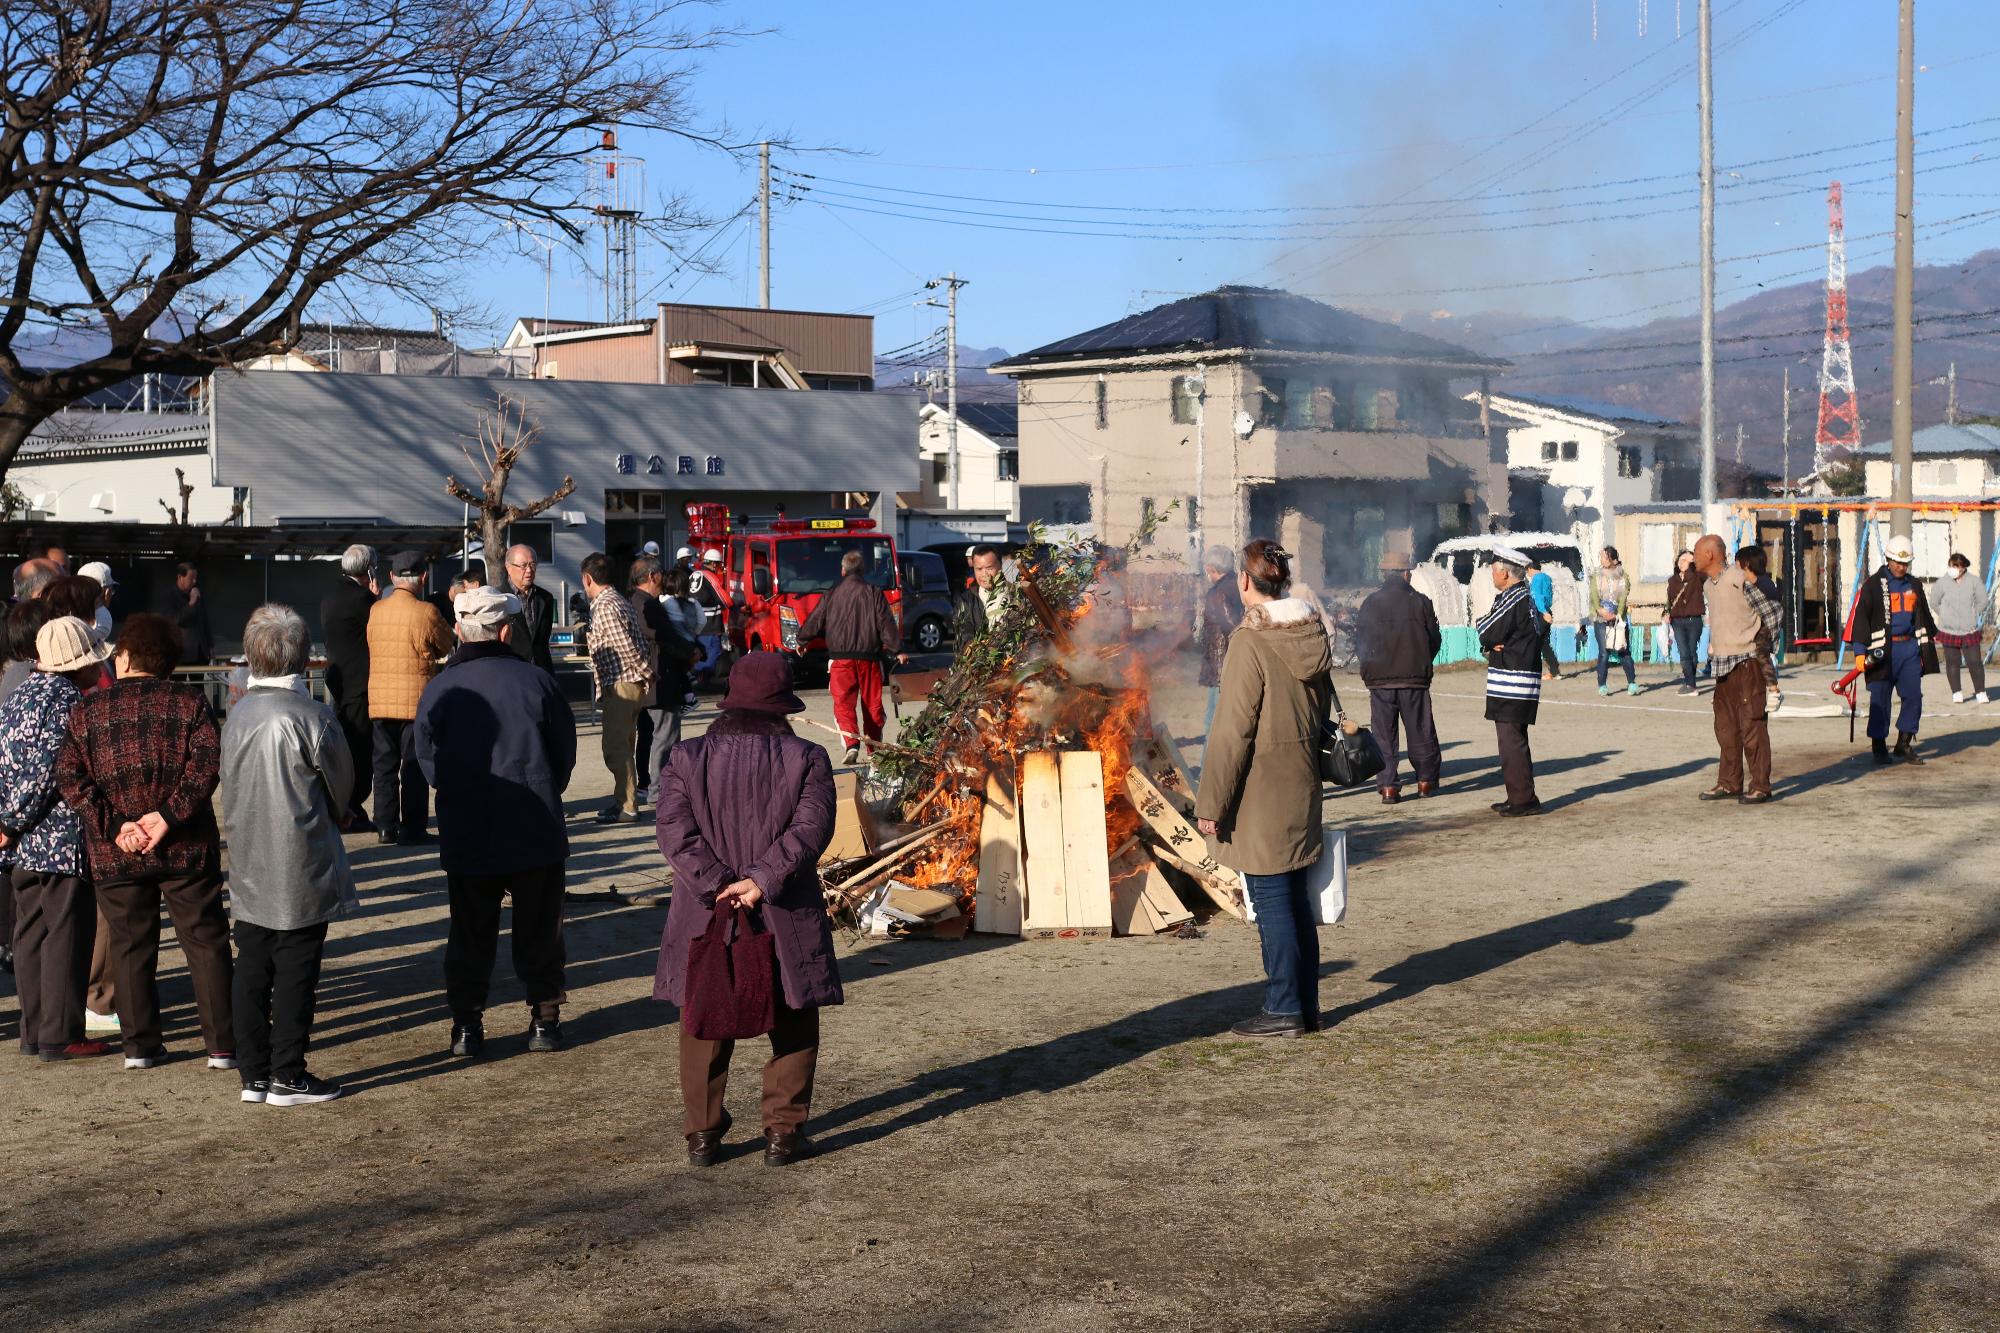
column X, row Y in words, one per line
column 1510, row 634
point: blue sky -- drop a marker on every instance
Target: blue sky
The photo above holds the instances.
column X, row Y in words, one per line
column 1419, row 155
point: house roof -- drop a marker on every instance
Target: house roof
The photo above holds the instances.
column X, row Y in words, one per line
column 1943, row 439
column 996, row 421
column 1590, row 407
column 1251, row 318
column 362, row 337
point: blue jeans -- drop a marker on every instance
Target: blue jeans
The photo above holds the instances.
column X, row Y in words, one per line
column 1290, row 942
column 1604, row 661
column 1906, row 678
column 1208, row 722
column 1687, row 638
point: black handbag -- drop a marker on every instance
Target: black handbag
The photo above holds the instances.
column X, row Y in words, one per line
column 1348, row 755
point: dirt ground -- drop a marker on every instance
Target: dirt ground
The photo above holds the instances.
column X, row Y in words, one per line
column 1641, row 1063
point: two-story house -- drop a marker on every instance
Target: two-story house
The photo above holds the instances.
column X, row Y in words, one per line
column 1262, row 413
column 1574, row 463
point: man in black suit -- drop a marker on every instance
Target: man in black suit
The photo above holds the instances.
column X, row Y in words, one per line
column 343, row 619
column 538, row 608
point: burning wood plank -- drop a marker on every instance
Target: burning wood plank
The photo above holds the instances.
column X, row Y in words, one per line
column 1047, row 907
column 1142, row 902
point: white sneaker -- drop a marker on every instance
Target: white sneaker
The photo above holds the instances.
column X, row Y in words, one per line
column 143, row 1061
column 222, row 1060
column 1958, row 696
column 99, row 1025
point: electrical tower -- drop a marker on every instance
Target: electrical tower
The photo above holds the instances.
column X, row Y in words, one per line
column 1839, row 413
column 617, row 193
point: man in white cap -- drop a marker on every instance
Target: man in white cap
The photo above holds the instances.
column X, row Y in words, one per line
column 1510, row 635
column 100, row 571
column 497, row 741
column 1892, row 627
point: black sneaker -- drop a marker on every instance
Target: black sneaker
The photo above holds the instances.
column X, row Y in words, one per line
column 1270, row 1025
column 309, row 1090
column 545, row 1034
column 256, row 1089
column 468, row 1039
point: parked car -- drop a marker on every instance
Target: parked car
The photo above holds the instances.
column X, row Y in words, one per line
column 927, row 594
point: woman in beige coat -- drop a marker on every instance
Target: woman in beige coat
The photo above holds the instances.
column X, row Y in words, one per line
column 1259, row 797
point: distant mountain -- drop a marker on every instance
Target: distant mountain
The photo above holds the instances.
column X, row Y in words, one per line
column 974, row 384
column 1656, row 367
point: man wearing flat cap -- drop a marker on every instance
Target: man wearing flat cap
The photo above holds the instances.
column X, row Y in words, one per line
column 1399, row 640
column 1510, row 635
column 496, row 738
column 407, row 638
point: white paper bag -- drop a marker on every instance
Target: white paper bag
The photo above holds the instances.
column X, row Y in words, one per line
column 1326, row 880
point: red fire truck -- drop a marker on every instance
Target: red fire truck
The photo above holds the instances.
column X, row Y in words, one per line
column 778, row 569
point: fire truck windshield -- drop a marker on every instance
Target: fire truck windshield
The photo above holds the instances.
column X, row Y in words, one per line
column 812, row 564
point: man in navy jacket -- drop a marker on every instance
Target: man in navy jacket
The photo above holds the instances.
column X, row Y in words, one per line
column 497, row 741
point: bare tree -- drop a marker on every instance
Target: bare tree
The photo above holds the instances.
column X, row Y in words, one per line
column 180, row 178
column 186, row 491
column 503, row 435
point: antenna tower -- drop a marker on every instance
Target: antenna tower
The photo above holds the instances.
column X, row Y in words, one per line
column 617, row 191
column 1839, row 414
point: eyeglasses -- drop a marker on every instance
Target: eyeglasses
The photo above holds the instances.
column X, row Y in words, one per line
column 520, row 564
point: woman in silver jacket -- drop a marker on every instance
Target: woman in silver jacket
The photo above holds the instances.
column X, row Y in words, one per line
column 285, row 778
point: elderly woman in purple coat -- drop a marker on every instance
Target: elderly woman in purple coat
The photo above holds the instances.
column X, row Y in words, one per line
column 744, row 813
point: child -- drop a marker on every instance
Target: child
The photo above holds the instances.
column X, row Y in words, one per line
column 1753, row 561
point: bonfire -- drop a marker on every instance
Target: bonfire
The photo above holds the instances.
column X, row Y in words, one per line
column 1034, row 795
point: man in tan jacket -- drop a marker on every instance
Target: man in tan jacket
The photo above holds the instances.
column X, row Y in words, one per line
column 407, row 640
column 1742, row 626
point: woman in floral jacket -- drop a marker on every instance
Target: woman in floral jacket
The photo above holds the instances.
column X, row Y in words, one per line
column 41, row 843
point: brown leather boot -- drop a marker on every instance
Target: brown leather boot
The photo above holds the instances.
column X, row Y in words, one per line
column 1426, row 788
column 705, row 1145
column 1906, row 748
column 782, row 1147
column 1391, row 795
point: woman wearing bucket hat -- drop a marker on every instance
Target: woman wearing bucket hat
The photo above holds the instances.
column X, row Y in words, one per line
column 1892, row 627
column 744, row 813
column 41, row 843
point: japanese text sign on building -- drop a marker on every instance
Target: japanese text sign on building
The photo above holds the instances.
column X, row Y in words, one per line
column 656, row 465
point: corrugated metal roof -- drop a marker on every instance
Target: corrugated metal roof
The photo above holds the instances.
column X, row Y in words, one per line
column 382, row 444
column 1943, row 439
column 1254, row 318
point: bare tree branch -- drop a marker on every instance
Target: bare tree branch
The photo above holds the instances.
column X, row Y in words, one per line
column 181, row 178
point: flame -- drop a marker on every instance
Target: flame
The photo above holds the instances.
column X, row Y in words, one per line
column 1054, row 711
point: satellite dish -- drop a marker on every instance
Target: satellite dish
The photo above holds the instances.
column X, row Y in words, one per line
column 1245, row 423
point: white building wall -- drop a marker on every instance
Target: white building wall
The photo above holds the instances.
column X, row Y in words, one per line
column 122, row 490
column 1951, row 477
column 980, row 486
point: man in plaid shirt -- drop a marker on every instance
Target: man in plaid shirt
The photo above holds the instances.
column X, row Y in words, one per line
column 624, row 672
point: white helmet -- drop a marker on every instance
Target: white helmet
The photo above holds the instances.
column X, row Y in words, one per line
column 685, row 553
column 711, row 555
column 650, row 548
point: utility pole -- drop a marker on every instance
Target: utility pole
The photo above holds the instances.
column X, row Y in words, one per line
column 1708, row 515
column 951, row 282
column 764, row 224
column 1902, row 486
column 1951, row 395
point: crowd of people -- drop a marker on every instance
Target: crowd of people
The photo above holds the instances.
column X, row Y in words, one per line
column 111, row 769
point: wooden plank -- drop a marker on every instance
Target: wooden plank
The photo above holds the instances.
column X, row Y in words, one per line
column 1183, row 845
column 1169, row 772
column 1130, row 912
column 1160, row 898
column 850, row 822
column 996, row 909
column 1045, row 906
column 1087, row 890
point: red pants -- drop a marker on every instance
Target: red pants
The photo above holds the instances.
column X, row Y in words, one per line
column 851, row 680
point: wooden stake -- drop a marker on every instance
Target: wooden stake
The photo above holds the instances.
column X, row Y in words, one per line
column 996, row 910
column 1087, row 887
column 1183, row 845
column 1046, row 907
column 883, row 863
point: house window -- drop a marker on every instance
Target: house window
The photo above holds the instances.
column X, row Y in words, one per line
column 940, row 471
column 1007, row 467
column 1187, row 399
column 1548, row 451
column 1628, row 460
column 1270, row 402
column 1299, row 402
column 537, row 534
column 1569, row 451
column 1657, row 552
column 1944, row 474
column 1103, row 404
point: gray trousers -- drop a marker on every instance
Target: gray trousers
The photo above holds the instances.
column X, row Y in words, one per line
column 1411, row 710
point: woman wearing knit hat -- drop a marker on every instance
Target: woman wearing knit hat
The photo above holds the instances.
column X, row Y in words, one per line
column 41, row 843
